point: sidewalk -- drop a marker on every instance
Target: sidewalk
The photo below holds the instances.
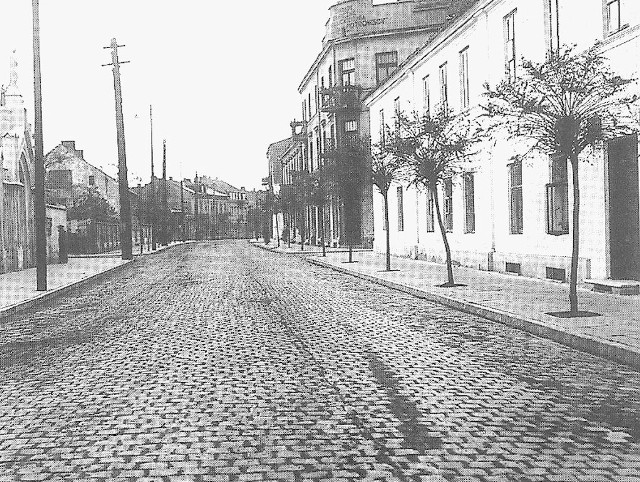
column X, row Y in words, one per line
column 18, row 288
column 309, row 250
column 516, row 301
column 146, row 249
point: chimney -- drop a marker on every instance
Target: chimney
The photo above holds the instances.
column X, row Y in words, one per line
column 71, row 145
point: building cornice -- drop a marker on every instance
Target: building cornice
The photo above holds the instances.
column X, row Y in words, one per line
column 413, row 60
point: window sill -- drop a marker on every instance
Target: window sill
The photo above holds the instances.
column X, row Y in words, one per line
column 558, row 233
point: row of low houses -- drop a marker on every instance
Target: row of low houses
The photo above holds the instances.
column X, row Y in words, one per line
column 163, row 210
column 82, row 201
column 503, row 213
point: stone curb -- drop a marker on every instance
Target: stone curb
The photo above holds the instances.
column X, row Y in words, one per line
column 48, row 296
column 609, row 350
column 135, row 253
column 307, row 253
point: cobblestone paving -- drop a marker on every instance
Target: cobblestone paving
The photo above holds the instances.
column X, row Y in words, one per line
column 225, row 362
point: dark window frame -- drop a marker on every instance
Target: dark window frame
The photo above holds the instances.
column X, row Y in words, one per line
column 465, row 97
column 516, row 206
column 400, row 199
column 348, row 75
column 444, row 86
column 510, row 52
column 448, row 204
column 469, row 203
column 386, row 64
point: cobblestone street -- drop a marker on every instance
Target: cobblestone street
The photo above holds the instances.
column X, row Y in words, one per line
column 222, row 362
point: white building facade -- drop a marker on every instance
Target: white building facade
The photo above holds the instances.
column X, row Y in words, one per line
column 505, row 214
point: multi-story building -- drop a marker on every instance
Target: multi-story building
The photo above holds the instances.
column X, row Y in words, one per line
column 365, row 42
column 503, row 213
column 220, row 209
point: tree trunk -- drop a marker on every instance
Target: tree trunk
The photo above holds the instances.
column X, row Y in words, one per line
column 350, row 253
column 303, row 216
column 387, row 235
column 573, row 281
column 443, row 231
column 277, row 228
column 324, row 248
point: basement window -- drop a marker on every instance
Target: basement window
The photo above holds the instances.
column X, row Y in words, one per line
column 556, row 274
column 515, row 268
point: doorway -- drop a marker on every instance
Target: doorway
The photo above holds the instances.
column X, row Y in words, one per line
column 624, row 208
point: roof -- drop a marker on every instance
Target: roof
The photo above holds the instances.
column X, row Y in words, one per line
column 278, row 149
column 218, row 185
column 61, row 153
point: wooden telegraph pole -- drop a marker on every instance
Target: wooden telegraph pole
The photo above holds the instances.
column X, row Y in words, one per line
column 165, row 209
column 125, row 201
column 196, row 208
column 182, row 215
column 152, row 204
column 40, row 206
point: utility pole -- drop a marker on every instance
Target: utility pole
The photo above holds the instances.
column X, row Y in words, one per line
column 125, row 201
column 140, row 218
column 196, row 208
column 182, row 215
column 152, row 204
column 165, row 208
column 40, row 206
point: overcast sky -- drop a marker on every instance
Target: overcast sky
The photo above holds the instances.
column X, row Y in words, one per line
column 222, row 77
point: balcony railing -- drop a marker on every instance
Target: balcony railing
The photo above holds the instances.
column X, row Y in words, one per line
column 340, row 98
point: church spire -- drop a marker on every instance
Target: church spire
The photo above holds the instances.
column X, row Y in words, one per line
column 12, row 92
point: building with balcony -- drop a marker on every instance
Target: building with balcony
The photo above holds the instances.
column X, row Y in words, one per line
column 504, row 213
column 365, row 42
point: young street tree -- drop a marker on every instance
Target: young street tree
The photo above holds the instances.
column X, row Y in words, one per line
column 567, row 104
column 346, row 167
column 386, row 168
column 433, row 150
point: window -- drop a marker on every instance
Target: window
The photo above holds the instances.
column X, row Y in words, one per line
column 400, row 209
column 444, row 94
column 558, row 198
column 426, row 96
column 49, row 226
column 448, row 205
column 515, row 198
column 430, row 212
column 614, row 22
column 351, row 126
column 510, row 46
column 309, row 105
column 304, row 110
column 383, row 138
column 464, row 78
column 331, row 76
column 469, row 204
column 386, row 64
column 348, row 71
column 396, row 112
column 92, row 180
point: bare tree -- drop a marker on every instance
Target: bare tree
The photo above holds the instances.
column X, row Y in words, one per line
column 566, row 104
